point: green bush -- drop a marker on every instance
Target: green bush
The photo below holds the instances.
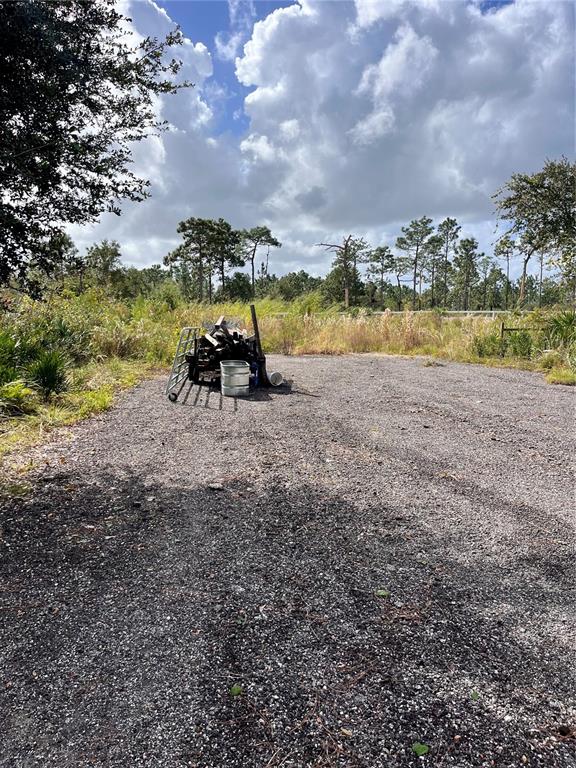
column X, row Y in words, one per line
column 8, row 373
column 490, row 345
column 16, row 398
column 519, row 344
column 7, row 347
column 571, row 356
column 118, row 339
column 550, row 358
column 13, row 354
column 561, row 329
column 49, row 373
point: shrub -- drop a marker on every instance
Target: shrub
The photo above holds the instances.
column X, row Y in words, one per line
column 550, row 358
column 519, row 344
column 16, row 398
column 571, row 355
column 49, row 373
column 561, row 328
column 8, row 373
column 8, row 354
column 490, row 345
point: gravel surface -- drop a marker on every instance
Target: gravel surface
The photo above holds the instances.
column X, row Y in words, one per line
column 378, row 555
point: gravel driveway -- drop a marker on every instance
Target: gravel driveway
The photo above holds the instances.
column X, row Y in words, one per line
column 377, row 557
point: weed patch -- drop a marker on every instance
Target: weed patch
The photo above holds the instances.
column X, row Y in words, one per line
column 561, row 376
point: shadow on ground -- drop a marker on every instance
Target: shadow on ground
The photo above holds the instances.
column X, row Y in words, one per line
column 210, row 396
column 129, row 613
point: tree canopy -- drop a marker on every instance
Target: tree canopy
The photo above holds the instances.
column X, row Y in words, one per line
column 75, row 93
column 540, row 210
column 251, row 240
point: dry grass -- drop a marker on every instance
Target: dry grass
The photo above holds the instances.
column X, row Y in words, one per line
column 406, row 334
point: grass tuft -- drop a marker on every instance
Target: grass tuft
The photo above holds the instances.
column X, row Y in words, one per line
column 561, row 376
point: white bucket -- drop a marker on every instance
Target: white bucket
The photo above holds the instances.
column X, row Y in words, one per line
column 235, row 378
column 275, row 378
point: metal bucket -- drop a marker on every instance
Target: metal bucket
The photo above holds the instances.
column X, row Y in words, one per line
column 235, row 378
column 275, row 379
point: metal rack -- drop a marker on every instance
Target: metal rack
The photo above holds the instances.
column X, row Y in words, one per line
column 188, row 342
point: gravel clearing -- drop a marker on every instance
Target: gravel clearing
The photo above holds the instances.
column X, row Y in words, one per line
column 376, row 556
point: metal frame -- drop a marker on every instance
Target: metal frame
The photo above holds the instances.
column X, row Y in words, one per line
column 188, row 340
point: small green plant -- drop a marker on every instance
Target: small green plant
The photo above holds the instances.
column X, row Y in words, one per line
column 561, row 376
column 8, row 373
column 8, row 358
column 382, row 593
column 520, row 344
column 16, row 398
column 571, row 356
column 561, row 328
column 420, row 749
column 236, row 690
column 49, row 373
column 474, row 695
column 549, row 358
column 489, row 345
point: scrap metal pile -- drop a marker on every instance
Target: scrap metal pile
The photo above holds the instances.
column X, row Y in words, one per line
column 199, row 355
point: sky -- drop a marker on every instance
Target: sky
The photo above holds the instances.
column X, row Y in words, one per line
column 321, row 118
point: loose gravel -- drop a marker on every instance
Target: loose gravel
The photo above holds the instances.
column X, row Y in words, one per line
column 376, row 559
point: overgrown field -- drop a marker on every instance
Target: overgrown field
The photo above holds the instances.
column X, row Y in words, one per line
column 66, row 357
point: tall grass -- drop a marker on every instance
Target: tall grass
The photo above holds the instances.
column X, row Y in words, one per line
column 406, row 334
column 109, row 344
column 93, row 327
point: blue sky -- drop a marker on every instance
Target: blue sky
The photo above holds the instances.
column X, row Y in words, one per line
column 321, row 119
column 205, row 19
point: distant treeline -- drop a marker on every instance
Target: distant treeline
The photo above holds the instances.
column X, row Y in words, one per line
column 427, row 267
column 447, row 272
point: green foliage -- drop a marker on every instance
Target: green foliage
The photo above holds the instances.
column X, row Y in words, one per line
column 420, row 749
column 8, row 357
column 561, row 376
column 250, row 241
column 520, row 344
column 344, row 279
column 16, row 398
column 103, row 259
column 169, row 294
column 296, row 284
column 238, row 287
column 382, row 593
column 414, row 243
column 7, row 374
column 337, row 281
column 308, row 304
column 465, row 264
column 116, row 338
column 489, row 345
column 542, row 210
column 561, row 328
column 550, row 359
column 76, row 94
column 49, row 373
column 236, row 690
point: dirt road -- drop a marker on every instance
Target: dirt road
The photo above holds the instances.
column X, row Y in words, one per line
column 378, row 557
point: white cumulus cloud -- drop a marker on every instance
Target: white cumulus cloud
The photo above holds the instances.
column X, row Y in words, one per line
column 362, row 116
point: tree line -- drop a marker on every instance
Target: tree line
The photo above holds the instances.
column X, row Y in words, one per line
column 69, row 117
column 450, row 272
column 427, row 267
